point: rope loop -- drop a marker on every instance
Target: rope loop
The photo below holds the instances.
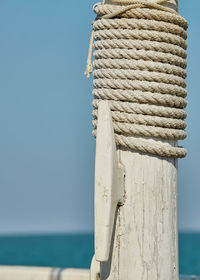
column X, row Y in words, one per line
column 140, row 62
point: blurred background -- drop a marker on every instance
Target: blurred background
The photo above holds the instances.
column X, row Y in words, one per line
column 46, row 147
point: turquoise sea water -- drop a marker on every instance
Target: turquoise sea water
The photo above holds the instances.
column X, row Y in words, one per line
column 77, row 251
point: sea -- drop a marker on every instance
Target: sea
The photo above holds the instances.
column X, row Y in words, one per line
column 76, row 250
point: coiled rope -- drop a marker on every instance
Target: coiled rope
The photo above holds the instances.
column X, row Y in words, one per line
column 140, row 62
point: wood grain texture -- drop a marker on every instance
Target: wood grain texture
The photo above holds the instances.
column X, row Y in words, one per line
column 145, row 240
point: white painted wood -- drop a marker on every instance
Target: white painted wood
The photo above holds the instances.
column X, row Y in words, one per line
column 95, row 269
column 145, row 241
column 109, row 181
column 74, row 274
column 25, row 273
column 41, row 273
column 145, row 245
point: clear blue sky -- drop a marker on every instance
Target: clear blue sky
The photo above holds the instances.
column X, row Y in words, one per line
column 46, row 147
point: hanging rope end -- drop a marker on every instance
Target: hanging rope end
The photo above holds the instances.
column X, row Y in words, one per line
column 88, row 70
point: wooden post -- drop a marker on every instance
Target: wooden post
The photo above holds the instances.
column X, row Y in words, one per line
column 145, row 239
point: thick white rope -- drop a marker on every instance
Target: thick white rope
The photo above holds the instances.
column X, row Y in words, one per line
column 140, row 61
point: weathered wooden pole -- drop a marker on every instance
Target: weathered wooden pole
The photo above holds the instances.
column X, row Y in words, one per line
column 144, row 242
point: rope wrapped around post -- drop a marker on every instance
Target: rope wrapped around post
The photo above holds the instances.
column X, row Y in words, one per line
column 140, row 62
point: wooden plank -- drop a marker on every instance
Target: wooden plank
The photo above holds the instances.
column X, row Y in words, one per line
column 25, row 273
column 74, row 274
column 109, row 182
column 42, row 273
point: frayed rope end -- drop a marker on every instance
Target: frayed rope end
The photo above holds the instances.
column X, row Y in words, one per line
column 88, row 70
